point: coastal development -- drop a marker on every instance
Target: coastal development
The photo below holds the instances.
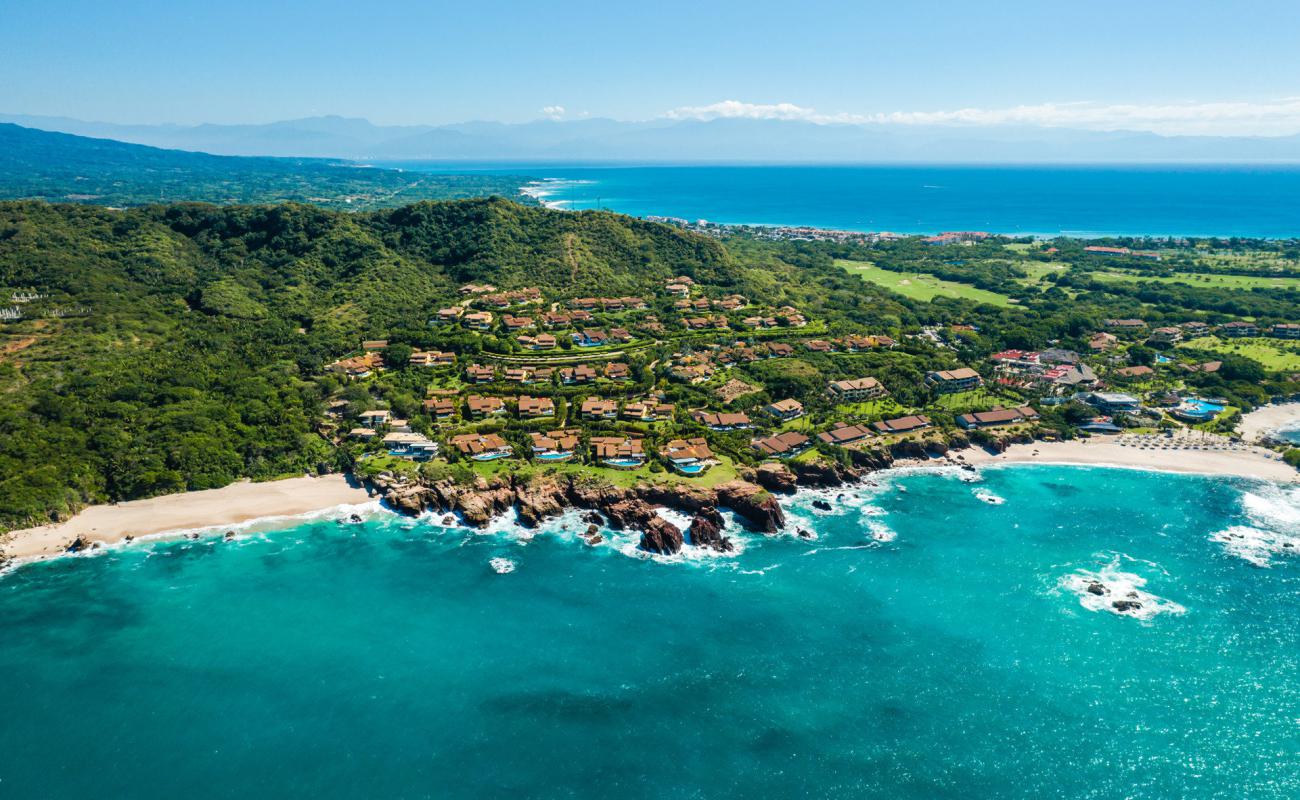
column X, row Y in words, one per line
column 692, row 389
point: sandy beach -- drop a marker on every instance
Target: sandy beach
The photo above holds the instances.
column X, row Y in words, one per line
column 230, row 505
column 1250, row 462
column 1267, row 419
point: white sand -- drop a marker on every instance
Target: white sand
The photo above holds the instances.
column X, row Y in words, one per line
column 1267, row 419
column 230, row 505
column 1251, row 462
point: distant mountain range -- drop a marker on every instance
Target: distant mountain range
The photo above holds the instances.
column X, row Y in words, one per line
column 60, row 167
column 714, row 141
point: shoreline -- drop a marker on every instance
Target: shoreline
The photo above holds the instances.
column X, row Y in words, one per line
column 174, row 515
column 1248, row 463
column 277, row 504
column 1266, row 420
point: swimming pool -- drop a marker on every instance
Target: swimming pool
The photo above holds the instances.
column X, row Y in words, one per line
column 690, row 469
column 622, row 463
column 1195, row 409
column 553, row 456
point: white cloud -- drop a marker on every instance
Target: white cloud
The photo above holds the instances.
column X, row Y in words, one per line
column 1266, row 118
column 553, row 112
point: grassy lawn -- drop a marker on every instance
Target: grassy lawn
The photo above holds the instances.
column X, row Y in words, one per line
column 885, row 407
column 1205, row 281
column 1038, row 271
column 920, row 286
column 1274, row 354
column 720, row 473
column 964, row 402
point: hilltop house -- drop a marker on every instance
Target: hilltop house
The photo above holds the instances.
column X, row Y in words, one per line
column 374, row 419
column 480, row 407
column 582, row 373
column 856, row 390
column 440, row 408
column 782, row 445
column 1165, row 335
column 482, row 446
column 534, row 407
column 1286, row 330
column 648, row 411
column 715, row 421
column 619, row 452
column 689, row 456
column 997, row 417
column 948, row 381
column 554, row 446
column 431, row 358
column 785, row 410
column 1239, row 329
column 479, row 373
column 599, row 408
column 907, row 424
column 843, row 434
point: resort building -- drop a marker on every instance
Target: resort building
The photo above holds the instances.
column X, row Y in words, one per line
column 478, row 321
column 907, row 424
column 1165, row 335
column 678, row 290
column 617, row 371
column 785, row 410
column 782, row 445
column 1195, row 328
column 543, row 341
column 518, row 375
column 1140, row 371
column 590, row 337
column 359, row 366
column 554, row 446
column 431, row 358
column 689, row 456
column 410, row 446
column 648, row 411
column 856, row 390
column 477, row 288
column 948, row 381
column 478, row 373
column 997, row 417
column 451, row 314
column 1016, row 359
column 440, row 408
column 534, row 407
column 843, row 434
column 1057, row 355
column 516, row 324
column 1102, row 341
column 599, row 408
column 364, row 434
column 582, row 373
column 480, row 407
column 715, row 421
column 374, row 419
column 1126, row 325
column 556, row 319
column 482, row 446
column 619, row 452
column 1113, row 402
column 1237, row 330
column 1286, row 330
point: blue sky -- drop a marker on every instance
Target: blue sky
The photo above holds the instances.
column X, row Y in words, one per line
column 1189, row 66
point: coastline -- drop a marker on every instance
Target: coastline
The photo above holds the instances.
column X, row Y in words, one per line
column 276, row 504
column 1266, row 420
column 1249, row 463
column 174, row 514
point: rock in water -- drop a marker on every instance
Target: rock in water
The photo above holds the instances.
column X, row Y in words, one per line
column 754, row 504
column 822, row 505
column 662, row 537
column 1126, row 605
column 706, row 531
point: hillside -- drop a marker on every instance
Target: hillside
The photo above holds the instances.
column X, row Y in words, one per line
column 36, row 164
column 181, row 347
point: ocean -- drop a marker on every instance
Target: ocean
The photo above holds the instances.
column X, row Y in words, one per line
column 1081, row 201
column 936, row 639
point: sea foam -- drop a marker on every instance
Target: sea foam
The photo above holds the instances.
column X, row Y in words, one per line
column 1274, row 529
column 1111, row 588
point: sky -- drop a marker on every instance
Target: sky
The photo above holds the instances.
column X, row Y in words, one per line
column 1172, row 66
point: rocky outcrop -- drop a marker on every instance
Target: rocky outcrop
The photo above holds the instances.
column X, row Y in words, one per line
column 661, row 536
column 775, row 477
column 539, row 499
column 684, row 497
column 630, row 512
column 822, row 473
column 706, row 531
column 754, row 504
column 78, row 544
column 408, row 499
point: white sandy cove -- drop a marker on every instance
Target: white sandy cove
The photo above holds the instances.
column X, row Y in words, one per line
column 1267, row 419
column 1250, row 463
column 230, row 505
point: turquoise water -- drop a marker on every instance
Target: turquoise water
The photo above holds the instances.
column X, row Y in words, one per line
column 923, row 646
column 1187, row 200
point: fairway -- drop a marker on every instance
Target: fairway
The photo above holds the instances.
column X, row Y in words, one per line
column 1206, row 281
column 1274, row 354
column 921, row 286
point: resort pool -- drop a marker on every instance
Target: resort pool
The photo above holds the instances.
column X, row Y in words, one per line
column 488, row 456
column 1197, row 409
column 690, row 469
column 622, row 463
column 553, row 456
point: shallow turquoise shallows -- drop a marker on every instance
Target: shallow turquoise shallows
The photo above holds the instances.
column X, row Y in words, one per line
column 936, row 640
